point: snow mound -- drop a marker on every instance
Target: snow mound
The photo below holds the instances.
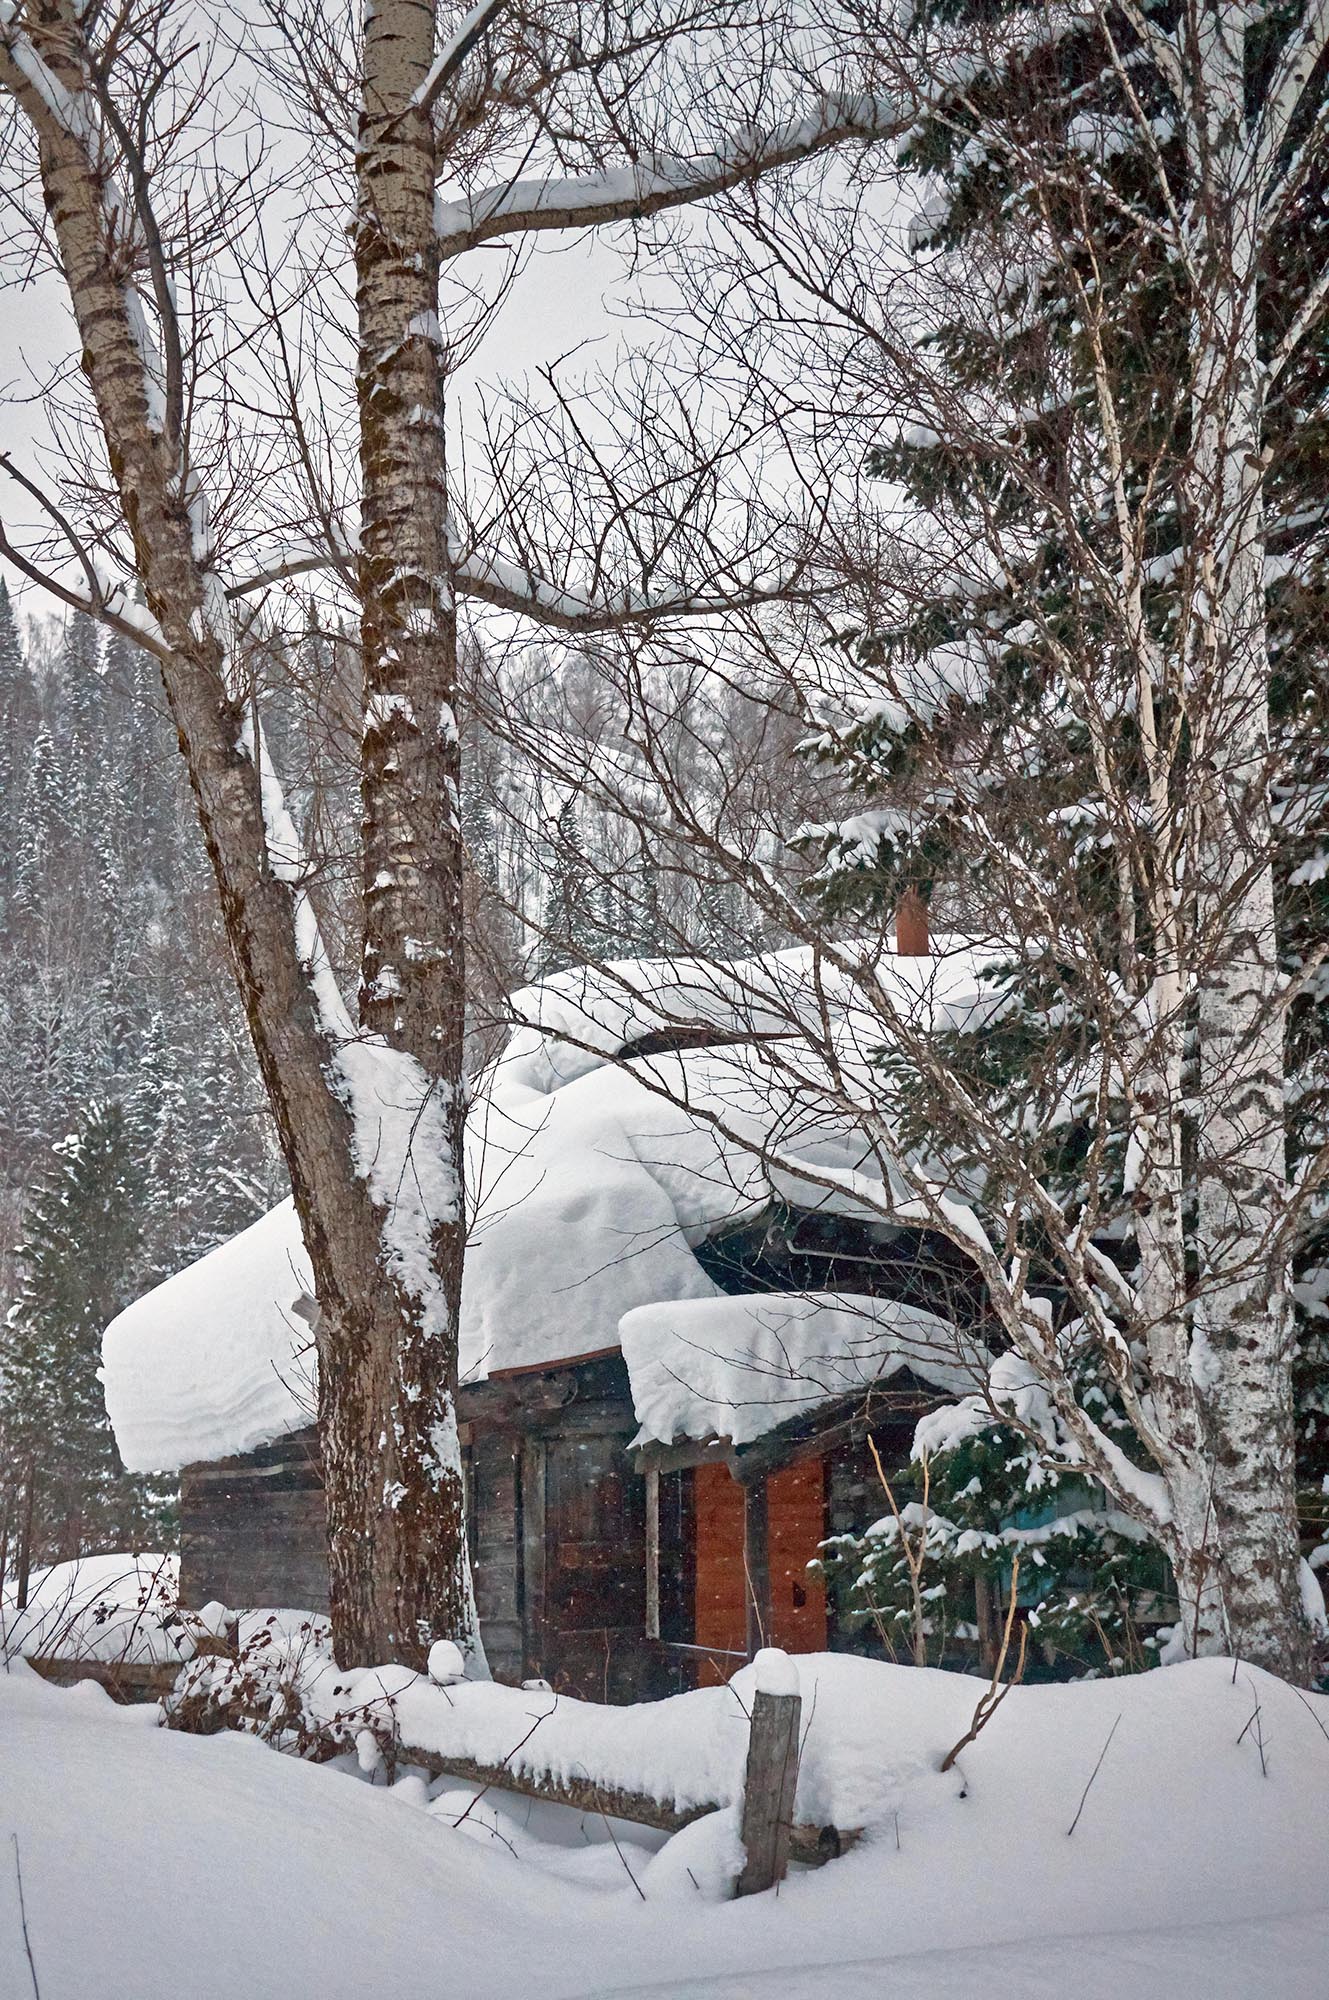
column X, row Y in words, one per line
column 121, row 1609
column 1193, row 1870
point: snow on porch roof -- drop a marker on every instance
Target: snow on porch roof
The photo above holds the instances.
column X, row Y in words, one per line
column 737, row 1367
column 588, row 1191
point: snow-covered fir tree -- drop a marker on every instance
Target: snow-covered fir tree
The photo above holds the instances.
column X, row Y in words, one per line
column 113, row 993
column 81, row 1261
column 572, row 921
column 1095, row 724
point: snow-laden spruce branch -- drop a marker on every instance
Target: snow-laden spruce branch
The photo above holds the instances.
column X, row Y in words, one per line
column 659, row 182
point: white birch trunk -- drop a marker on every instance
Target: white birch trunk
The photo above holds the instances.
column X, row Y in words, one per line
column 1242, row 1328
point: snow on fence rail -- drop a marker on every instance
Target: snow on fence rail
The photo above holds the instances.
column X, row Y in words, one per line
column 117, row 1611
column 660, row 1764
column 767, row 1830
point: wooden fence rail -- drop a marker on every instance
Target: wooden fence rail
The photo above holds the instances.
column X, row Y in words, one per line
column 770, row 1836
column 124, row 1680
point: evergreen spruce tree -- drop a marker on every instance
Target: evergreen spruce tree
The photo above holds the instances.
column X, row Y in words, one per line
column 1090, row 1585
column 478, row 831
column 1012, row 746
column 18, row 726
column 80, row 1262
column 643, row 929
column 572, row 919
column 112, row 993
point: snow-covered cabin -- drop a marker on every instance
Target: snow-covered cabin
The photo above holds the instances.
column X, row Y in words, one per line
column 680, row 1319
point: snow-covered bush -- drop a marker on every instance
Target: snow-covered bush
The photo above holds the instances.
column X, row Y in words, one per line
column 258, row 1685
column 978, row 1493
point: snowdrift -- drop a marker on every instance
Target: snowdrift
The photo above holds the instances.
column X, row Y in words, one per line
column 155, row 1863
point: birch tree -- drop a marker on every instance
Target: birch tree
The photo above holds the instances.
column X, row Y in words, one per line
column 158, row 221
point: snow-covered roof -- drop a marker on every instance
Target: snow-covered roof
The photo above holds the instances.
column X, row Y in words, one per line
column 589, row 1182
column 735, row 1367
column 218, row 1359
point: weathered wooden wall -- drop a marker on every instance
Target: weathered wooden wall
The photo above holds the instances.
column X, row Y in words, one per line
column 581, row 1505
column 557, row 1523
column 558, row 1537
column 494, row 1525
column 253, row 1530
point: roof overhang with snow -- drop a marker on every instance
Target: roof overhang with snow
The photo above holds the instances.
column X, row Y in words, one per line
column 736, row 1368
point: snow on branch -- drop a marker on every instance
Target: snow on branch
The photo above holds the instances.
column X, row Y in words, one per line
column 505, row 586
column 491, row 580
column 660, row 181
column 454, row 52
column 108, row 602
column 74, row 118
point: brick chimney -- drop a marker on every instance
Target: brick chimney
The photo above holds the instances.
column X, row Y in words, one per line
column 911, row 926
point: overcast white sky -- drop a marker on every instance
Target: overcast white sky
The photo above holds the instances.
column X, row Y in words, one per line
column 561, row 299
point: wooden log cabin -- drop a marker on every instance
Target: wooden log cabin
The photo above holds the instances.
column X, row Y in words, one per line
column 672, row 1359
column 615, row 1566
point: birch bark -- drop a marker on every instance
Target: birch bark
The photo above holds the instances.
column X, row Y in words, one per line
column 1242, row 1331
column 365, row 1125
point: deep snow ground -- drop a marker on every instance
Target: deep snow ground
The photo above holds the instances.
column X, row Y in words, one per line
column 156, row 1864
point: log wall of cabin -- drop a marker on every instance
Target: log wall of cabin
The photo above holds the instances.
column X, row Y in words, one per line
column 795, row 1531
column 557, row 1518
column 494, row 1526
column 253, row 1530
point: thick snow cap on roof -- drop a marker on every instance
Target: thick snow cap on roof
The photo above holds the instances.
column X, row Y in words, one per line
column 589, row 1181
column 218, row 1359
column 736, row 1367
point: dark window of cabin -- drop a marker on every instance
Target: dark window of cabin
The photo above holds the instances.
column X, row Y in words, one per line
column 676, row 1559
column 800, row 1250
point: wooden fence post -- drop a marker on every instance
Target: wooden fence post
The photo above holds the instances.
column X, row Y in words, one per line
column 771, row 1779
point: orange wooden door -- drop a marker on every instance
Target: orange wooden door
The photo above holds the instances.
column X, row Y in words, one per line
column 720, row 1593
column 796, row 1510
column 795, row 1526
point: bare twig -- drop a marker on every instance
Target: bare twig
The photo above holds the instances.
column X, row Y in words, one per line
column 1317, row 1720
column 915, row 1553
column 618, row 1849
column 990, row 1701
column 506, row 1761
column 23, row 1919
column 1254, row 1722
column 1092, row 1775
